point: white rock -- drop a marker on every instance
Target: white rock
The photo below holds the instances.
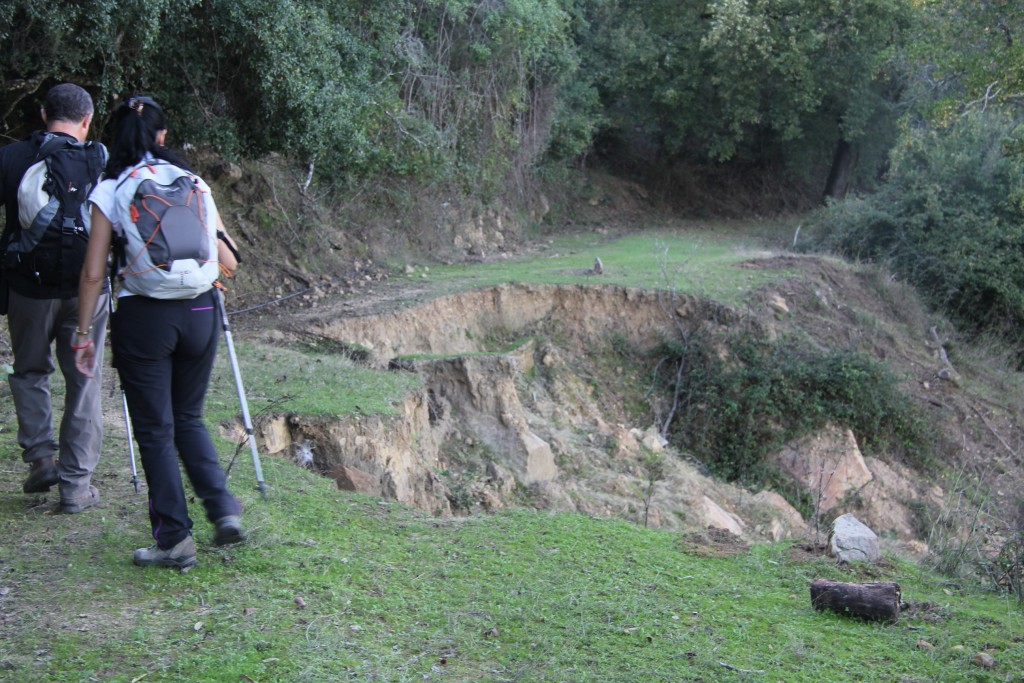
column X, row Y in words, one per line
column 851, row 541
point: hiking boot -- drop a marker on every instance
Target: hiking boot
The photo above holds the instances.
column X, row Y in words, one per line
column 42, row 475
column 181, row 556
column 228, row 530
column 70, row 506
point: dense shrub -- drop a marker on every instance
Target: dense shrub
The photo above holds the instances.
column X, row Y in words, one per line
column 950, row 219
column 744, row 397
column 461, row 90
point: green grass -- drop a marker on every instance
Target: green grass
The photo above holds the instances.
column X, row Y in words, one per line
column 281, row 379
column 392, row 595
column 694, row 259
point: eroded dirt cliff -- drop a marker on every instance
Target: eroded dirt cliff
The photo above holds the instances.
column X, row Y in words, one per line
column 524, row 402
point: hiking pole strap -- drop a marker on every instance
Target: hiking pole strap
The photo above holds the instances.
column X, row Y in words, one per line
column 246, row 419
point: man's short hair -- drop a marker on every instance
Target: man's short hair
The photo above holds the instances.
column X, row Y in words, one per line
column 67, row 102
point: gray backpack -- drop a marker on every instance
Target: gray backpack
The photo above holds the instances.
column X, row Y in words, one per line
column 165, row 245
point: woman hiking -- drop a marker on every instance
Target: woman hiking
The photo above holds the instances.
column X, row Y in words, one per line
column 163, row 335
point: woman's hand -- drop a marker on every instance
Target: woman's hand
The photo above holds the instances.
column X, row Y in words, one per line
column 85, row 357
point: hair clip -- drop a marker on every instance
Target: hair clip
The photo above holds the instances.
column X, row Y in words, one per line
column 136, row 105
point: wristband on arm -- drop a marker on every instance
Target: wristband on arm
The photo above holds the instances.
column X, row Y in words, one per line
column 224, row 238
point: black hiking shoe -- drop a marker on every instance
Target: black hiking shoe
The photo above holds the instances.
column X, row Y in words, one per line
column 228, row 530
column 181, row 556
column 42, row 475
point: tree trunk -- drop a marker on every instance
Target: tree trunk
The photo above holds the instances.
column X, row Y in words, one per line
column 844, row 161
column 874, row 601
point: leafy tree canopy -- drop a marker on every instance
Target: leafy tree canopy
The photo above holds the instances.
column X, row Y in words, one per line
column 726, row 78
column 481, row 91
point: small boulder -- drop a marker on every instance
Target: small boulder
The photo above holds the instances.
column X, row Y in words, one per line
column 653, row 440
column 715, row 516
column 852, row 541
column 984, row 660
column 778, row 304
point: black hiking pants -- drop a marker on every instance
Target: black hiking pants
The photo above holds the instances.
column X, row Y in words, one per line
column 164, row 351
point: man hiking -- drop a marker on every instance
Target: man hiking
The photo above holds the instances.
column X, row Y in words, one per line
column 45, row 181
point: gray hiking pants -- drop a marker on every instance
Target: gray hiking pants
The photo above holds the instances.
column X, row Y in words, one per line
column 35, row 324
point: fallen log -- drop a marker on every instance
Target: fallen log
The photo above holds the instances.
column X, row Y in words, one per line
column 876, row 601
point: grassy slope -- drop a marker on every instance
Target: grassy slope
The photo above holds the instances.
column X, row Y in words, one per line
column 699, row 261
column 391, row 595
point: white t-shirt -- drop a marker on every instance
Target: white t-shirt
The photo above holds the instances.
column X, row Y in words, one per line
column 102, row 197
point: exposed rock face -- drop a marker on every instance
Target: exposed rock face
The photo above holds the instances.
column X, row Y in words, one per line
column 493, row 429
column 381, row 448
column 828, row 464
column 784, row 520
column 884, row 501
column 830, row 468
column 391, row 456
column 480, row 393
column 399, row 458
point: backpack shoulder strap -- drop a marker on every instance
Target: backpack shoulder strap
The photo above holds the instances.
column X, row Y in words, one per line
column 104, row 154
column 96, row 158
column 135, row 170
column 52, row 143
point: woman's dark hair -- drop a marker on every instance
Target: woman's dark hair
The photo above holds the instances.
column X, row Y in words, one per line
column 134, row 126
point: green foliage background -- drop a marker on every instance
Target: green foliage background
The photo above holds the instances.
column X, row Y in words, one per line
column 950, row 219
column 475, row 91
column 498, row 99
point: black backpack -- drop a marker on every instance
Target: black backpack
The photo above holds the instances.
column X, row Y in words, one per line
column 54, row 215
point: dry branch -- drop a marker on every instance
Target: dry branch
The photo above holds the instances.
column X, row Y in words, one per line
column 994, row 432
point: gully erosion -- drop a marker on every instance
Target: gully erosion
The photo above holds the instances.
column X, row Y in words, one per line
column 538, row 423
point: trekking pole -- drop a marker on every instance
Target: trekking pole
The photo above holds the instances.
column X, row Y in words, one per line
column 124, row 403
column 131, row 445
column 246, row 420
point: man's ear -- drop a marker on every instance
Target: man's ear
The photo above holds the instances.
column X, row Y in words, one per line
column 86, row 122
column 42, row 115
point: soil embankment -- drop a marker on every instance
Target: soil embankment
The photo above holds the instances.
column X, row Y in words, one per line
column 519, row 405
